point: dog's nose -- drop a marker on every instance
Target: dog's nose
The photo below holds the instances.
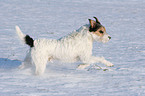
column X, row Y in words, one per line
column 109, row 37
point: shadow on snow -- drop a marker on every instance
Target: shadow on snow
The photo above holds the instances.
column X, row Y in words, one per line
column 6, row 63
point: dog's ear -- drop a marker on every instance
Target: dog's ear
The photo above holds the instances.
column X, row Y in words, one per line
column 92, row 23
column 97, row 21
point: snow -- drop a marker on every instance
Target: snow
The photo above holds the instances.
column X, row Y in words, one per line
column 124, row 21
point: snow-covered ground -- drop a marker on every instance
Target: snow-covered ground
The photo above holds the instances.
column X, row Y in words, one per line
column 124, row 21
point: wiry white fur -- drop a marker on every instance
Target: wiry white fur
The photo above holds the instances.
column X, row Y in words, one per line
column 20, row 34
column 74, row 47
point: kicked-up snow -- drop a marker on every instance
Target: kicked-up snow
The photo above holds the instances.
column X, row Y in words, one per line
column 125, row 23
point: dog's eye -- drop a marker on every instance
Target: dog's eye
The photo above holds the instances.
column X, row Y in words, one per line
column 101, row 32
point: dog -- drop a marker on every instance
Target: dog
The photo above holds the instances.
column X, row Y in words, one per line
column 76, row 46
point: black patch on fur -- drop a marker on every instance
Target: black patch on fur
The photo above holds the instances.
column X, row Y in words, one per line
column 97, row 21
column 95, row 28
column 101, row 32
column 29, row 41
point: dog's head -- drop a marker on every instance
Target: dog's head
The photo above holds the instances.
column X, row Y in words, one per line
column 98, row 31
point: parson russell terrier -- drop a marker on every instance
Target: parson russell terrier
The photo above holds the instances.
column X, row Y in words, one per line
column 74, row 47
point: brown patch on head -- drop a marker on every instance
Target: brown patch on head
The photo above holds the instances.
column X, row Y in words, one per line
column 96, row 27
column 100, row 32
column 97, row 21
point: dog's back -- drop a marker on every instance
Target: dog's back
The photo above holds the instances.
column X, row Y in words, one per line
column 71, row 47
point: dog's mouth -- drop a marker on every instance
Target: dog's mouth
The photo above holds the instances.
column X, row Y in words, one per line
column 105, row 39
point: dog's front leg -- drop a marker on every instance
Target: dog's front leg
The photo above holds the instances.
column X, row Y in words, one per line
column 92, row 60
column 83, row 66
column 87, row 61
column 101, row 60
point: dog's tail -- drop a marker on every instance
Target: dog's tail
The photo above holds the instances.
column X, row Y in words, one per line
column 25, row 38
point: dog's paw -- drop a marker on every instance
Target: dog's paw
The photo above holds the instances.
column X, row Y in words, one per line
column 109, row 64
column 83, row 66
column 21, row 66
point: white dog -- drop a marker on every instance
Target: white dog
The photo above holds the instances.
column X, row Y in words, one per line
column 74, row 47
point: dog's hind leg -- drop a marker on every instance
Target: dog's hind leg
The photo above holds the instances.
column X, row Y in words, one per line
column 40, row 61
column 27, row 61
